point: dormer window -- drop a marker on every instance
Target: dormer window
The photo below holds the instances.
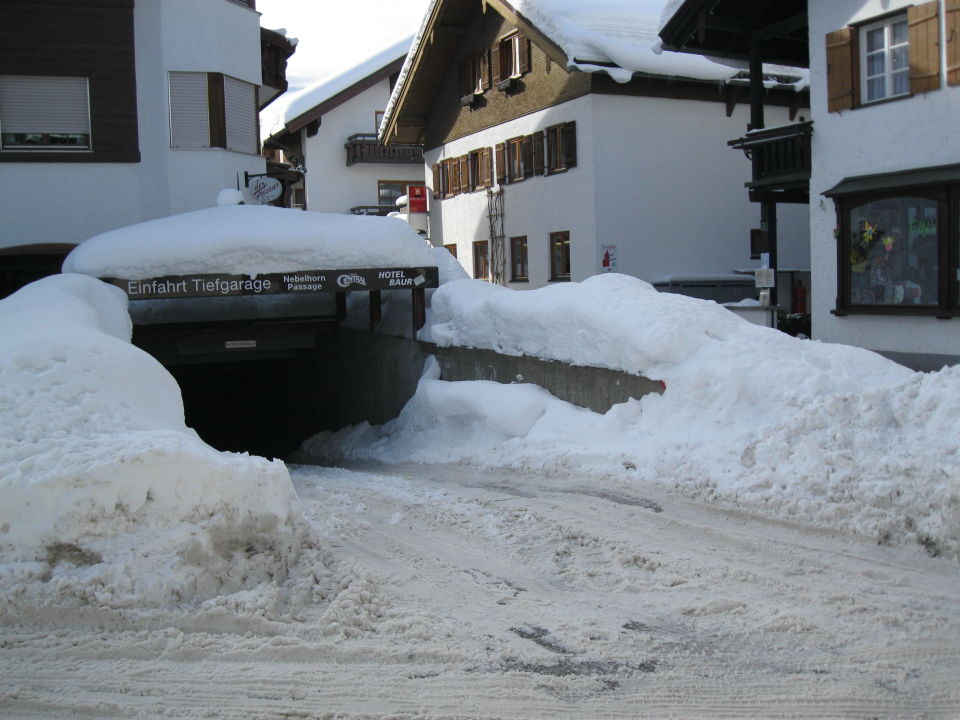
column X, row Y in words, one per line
column 511, row 60
column 885, row 60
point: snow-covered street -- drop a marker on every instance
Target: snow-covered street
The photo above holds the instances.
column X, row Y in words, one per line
column 448, row 591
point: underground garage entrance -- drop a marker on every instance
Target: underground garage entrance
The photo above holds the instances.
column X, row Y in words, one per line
column 262, row 370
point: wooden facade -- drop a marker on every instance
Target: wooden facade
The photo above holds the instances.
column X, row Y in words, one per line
column 87, row 38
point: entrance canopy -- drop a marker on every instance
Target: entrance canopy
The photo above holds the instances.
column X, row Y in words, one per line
column 251, row 252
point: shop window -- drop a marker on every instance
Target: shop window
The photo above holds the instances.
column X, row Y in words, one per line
column 560, row 255
column 44, row 113
column 898, row 250
column 481, row 260
column 212, row 110
column 388, row 191
column 896, row 56
column 518, row 259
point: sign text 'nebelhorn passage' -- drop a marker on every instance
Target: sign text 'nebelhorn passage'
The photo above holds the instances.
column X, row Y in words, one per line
column 301, row 281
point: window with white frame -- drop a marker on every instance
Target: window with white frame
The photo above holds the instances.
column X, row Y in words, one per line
column 44, row 112
column 885, row 59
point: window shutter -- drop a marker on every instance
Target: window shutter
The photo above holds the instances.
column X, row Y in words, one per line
column 466, row 182
column 486, row 164
column 437, row 190
column 453, row 176
column 501, row 160
column 240, row 113
column 953, row 42
column 496, row 62
column 570, row 144
column 189, row 110
column 924, row 22
column 44, row 104
column 465, row 72
column 841, row 86
column 485, row 68
column 527, row 150
column 524, row 54
column 538, row 152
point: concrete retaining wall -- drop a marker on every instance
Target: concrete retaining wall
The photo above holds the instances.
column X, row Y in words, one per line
column 374, row 375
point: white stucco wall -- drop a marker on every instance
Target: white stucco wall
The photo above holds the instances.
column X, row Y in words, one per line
column 670, row 192
column 654, row 177
column 330, row 185
column 69, row 202
column 534, row 207
column 904, row 134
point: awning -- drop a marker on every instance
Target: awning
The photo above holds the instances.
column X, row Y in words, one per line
column 939, row 175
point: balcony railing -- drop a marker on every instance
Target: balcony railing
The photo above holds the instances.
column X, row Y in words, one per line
column 780, row 156
column 364, row 148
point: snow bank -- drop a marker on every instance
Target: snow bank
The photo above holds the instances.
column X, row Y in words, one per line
column 99, row 474
column 826, row 434
column 249, row 240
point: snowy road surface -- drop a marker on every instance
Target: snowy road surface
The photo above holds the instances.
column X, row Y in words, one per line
column 448, row 592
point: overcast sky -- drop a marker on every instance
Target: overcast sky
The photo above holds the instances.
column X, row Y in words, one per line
column 336, row 35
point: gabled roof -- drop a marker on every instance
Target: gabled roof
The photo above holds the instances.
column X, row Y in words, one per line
column 617, row 37
column 301, row 108
column 726, row 28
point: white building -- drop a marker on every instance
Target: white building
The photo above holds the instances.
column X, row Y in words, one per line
column 118, row 111
column 885, row 171
column 556, row 151
column 330, row 129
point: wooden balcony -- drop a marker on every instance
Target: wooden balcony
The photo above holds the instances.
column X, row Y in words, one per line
column 780, row 157
column 364, row 148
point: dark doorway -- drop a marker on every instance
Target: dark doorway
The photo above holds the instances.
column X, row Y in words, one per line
column 264, row 406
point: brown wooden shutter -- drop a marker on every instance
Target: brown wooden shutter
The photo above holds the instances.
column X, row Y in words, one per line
column 924, row 22
column 524, row 54
column 437, row 190
column 527, row 156
column 952, row 21
column 465, row 73
column 538, row 152
column 496, row 63
column 486, row 164
column 500, row 151
column 841, row 82
column 485, row 68
column 454, row 172
column 466, row 182
column 570, row 145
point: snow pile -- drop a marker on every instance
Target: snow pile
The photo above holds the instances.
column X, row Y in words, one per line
column 100, row 477
column 249, row 240
column 827, row 434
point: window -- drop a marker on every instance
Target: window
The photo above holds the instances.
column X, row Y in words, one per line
column 560, row 255
column 899, row 247
column 212, row 110
column 452, row 248
column 377, row 119
column 44, row 113
column 885, row 59
column 518, row 163
column 481, row 260
column 518, row 259
column 893, row 57
column 475, row 74
column 511, row 60
column 388, row 191
column 561, row 147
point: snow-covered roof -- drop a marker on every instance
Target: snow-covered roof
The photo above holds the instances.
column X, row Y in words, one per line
column 249, row 240
column 292, row 105
column 617, row 37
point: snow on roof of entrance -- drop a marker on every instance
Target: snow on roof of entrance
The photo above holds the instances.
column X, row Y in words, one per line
column 292, row 105
column 249, row 240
